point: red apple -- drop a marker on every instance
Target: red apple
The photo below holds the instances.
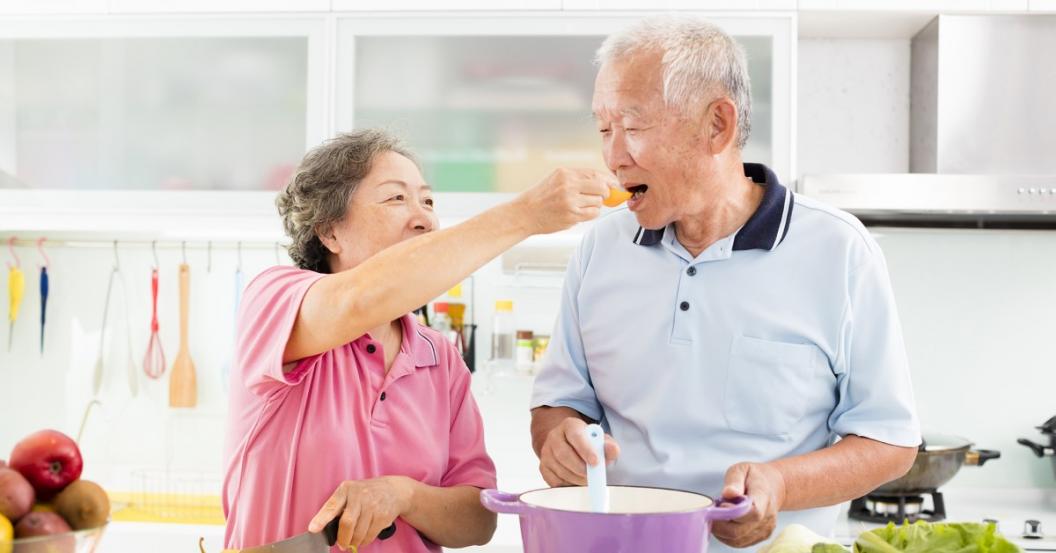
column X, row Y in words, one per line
column 16, row 494
column 49, row 459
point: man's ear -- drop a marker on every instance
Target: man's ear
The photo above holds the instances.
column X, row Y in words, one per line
column 720, row 123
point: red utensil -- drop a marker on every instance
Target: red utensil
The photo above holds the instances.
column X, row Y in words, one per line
column 154, row 359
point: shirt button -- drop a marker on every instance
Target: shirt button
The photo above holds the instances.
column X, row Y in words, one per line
column 371, row 348
column 684, row 306
column 383, row 396
column 691, row 271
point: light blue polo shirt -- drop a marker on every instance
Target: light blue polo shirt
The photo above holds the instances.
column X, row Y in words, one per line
column 771, row 343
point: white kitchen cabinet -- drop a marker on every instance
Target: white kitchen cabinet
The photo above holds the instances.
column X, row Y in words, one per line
column 1009, row 5
column 934, row 6
column 694, row 5
column 196, row 103
column 1043, row 6
column 445, row 5
column 217, row 6
column 159, row 103
column 883, row 19
column 492, row 103
column 37, row 7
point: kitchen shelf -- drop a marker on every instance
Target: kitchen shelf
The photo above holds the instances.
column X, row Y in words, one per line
column 195, row 216
column 153, row 215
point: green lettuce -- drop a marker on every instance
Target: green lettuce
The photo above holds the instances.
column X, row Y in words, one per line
column 937, row 537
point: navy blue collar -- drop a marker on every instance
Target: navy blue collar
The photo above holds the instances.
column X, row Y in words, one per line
column 765, row 229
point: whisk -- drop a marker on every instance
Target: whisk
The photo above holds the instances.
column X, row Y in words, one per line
column 154, row 359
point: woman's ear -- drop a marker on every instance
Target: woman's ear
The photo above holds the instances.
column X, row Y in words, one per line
column 328, row 238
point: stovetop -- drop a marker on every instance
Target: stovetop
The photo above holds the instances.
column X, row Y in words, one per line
column 927, row 506
column 1010, row 509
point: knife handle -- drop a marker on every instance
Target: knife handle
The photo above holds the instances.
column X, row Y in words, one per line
column 332, row 526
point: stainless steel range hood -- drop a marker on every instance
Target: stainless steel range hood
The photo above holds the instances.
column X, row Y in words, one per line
column 982, row 201
column 982, row 130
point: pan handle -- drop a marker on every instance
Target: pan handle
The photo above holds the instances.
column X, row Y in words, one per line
column 331, row 531
column 978, row 457
column 1038, row 449
column 502, row 502
column 729, row 509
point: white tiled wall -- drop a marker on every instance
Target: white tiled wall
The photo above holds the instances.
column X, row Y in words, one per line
column 853, row 98
column 979, row 314
column 124, row 433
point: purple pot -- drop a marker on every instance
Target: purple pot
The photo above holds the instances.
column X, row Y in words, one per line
column 559, row 520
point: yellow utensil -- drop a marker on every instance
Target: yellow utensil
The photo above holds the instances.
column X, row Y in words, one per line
column 616, row 197
column 16, row 287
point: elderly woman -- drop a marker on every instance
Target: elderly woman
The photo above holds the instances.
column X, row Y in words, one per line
column 342, row 405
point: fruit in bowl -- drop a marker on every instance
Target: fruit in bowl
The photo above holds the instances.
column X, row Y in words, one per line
column 40, row 531
column 16, row 494
column 45, row 507
column 49, row 459
column 84, row 504
column 76, row 541
column 7, row 534
column 40, row 523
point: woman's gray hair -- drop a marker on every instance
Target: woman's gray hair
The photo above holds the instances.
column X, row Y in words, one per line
column 318, row 194
column 698, row 61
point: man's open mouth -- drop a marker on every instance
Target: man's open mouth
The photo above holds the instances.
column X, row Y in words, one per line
column 637, row 190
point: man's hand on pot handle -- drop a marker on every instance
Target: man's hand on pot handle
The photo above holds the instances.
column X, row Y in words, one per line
column 766, row 486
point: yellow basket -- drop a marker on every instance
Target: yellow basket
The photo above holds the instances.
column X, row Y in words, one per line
column 173, row 497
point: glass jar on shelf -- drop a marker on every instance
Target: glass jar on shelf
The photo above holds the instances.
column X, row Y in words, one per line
column 525, row 352
column 502, row 338
column 442, row 323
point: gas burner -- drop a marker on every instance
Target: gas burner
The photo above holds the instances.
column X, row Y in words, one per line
column 898, row 508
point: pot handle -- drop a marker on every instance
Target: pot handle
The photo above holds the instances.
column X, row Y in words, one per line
column 740, row 507
column 980, row 456
column 502, row 502
column 1038, row 449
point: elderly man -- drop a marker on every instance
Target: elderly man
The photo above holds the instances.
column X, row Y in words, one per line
column 730, row 336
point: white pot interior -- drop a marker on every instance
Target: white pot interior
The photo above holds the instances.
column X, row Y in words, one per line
column 624, row 500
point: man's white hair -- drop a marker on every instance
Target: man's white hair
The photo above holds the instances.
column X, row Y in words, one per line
column 698, row 61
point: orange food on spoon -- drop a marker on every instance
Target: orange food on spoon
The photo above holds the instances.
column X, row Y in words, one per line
column 616, row 197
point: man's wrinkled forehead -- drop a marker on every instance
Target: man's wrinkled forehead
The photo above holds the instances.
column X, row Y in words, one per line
column 626, row 90
column 604, row 112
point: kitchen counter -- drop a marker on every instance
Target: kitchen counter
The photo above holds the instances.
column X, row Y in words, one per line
column 1011, row 508
column 136, row 537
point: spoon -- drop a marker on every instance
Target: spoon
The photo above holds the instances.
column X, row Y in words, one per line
column 597, row 486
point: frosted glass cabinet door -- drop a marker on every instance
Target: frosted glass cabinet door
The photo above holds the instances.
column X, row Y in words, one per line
column 490, row 109
column 152, row 112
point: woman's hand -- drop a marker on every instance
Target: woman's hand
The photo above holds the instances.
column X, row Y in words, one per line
column 366, row 507
column 565, row 197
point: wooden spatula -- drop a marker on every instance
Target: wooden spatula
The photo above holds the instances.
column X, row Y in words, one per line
column 183, row 386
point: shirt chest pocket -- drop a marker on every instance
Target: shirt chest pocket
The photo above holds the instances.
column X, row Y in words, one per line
column 771, row 385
